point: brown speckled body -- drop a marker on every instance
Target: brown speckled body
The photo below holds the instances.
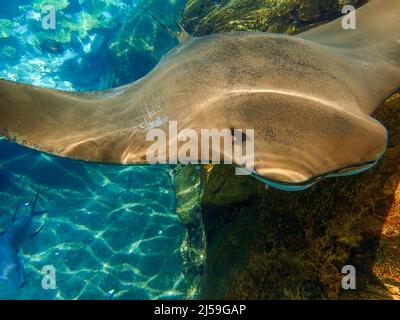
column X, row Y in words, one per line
column 308, row 98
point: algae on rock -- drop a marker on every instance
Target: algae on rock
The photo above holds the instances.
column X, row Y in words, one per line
column 202, row 17
column 189, row 182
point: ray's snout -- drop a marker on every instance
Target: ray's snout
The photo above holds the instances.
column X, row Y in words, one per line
column 299, row 141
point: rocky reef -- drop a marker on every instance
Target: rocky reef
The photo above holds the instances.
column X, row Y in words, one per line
column 269, row 244
column 202, row 17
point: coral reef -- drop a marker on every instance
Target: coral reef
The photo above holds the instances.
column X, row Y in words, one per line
column 268, row 244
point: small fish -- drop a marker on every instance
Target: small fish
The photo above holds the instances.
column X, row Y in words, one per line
column 11, row 240
column 52, row 46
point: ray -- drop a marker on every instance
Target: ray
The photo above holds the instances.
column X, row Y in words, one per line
column 308, row 98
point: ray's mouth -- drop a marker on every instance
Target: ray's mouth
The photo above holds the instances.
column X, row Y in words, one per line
column 354, row 169
column 299, row 186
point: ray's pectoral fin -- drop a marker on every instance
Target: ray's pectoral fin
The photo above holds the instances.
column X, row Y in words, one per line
column 84, row 126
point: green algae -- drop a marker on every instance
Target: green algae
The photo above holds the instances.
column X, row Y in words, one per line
column 84, row 23
column 6, row 27
column 39, row 5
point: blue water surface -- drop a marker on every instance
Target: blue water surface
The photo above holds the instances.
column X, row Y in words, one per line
column 111, row 231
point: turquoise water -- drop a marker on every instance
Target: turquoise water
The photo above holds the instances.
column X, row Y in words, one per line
column 111, row 231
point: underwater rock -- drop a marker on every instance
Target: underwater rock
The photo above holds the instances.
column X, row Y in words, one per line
column 202, row 17
column 189, row 184
column 269, row 244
